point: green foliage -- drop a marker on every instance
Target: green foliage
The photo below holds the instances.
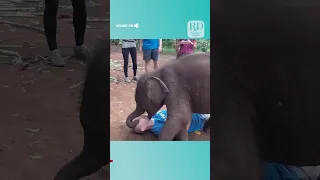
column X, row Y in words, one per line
column 203, row 45
column 168, row 43
column 169, row 50
column 115, row 41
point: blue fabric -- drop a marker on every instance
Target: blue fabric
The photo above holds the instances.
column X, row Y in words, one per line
column 275, row 171
column 149, row 44
column 160, row 117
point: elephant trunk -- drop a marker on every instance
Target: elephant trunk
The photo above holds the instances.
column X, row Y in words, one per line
column 134, row 114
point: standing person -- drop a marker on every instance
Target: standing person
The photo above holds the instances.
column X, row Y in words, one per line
column 185, row 46
column 150, row 49
column 129, row 47
column 79, row 24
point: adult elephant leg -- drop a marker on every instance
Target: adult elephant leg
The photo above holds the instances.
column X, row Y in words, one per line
column 234, row 147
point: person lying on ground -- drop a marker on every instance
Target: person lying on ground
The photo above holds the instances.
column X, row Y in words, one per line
column 273, row 171
column 155, row 124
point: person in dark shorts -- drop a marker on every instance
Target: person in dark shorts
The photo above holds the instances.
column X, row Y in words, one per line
column 129, row 47
column 150, row 49
column 185, row 46
column 79, row 24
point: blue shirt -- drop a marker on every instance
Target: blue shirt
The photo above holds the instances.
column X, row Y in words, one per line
column 160, row 117
column 149, row 44
column 275, row 171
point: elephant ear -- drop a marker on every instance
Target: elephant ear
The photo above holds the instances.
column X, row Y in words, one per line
column 156, row 89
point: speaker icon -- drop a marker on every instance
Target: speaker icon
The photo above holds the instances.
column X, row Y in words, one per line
column 136, row 25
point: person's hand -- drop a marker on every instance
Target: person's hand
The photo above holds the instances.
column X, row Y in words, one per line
column 189, row 41
column 140, row 49
column 159, row 49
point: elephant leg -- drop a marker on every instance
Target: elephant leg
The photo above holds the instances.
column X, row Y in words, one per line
column 177, row 121
column 235, row 153
column 182, row 135
column 170, row 130
column 89, row 161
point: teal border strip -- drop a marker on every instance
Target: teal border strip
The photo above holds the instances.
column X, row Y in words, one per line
column 166, row 19
column 157, row 160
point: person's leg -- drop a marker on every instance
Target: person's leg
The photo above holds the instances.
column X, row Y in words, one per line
column 125, row 54
column 133, row 53
column 79, row 25
column 50, row 28
column 183, row 54
column 147, row 58
column 155, row 57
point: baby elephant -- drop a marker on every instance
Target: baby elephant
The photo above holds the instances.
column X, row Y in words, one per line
column 183, row 85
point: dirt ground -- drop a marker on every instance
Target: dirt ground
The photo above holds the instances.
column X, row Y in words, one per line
column 39, row 125
column 122, row 98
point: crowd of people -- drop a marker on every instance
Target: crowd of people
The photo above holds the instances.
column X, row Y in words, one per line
column 150, row 49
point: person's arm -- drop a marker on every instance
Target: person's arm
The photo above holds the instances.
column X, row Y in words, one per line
column 195, row 44
column 158, row 119
column 140, row 45
column 177, row 45
column 160, row 45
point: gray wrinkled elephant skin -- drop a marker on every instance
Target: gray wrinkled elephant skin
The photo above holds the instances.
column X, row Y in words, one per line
column 265, row 86
column 94, row 119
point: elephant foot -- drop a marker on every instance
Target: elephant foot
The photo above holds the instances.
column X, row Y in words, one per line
column 182, row 135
